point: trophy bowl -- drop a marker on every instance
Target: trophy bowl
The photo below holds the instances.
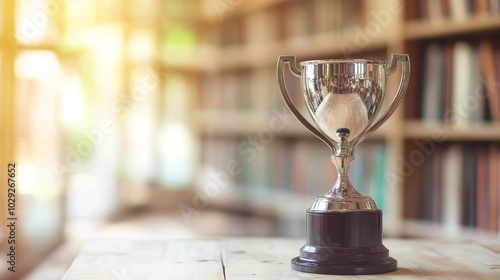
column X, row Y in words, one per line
column 344, row 99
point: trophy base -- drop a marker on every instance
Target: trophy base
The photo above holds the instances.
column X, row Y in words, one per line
column 344, row 243
column 301, row 265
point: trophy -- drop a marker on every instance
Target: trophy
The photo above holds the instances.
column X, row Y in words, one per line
column 344, row 98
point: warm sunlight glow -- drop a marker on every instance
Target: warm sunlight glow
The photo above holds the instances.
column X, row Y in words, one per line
column 140, row 153
column 141, row 45
column 176, row 147
column 27, row 178
column 71, row 111
column 37, row 65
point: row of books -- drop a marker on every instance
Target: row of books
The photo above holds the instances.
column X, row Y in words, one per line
column 456, row 9
column 302, row 168
column 251, row 90
column 456, row 185
column 368, row 173
column 460, row 82
column 291, row 20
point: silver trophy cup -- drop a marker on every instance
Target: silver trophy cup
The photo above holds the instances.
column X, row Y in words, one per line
column 344, row 98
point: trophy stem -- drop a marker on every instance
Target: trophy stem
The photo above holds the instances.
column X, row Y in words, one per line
column 343, row 196
column 342, row 158
column 342, row 187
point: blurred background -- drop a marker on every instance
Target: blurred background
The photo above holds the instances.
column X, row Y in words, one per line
column 162, row 119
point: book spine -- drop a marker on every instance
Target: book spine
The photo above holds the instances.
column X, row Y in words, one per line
column 494, row 186
column 452, row 185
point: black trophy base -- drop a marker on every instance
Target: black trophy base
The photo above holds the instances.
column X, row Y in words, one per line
column 344, row 243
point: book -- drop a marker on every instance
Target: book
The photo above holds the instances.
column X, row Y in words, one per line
column 445, row 8
column 414, row 184
column 432, row 181
column 330, row 172
column 427, row 188
column 462, row 65
column 301, row 25
column 437, row 168
column 481, row 7
column 351, row 17
column 322, row 15
column 494, row 187
column 264, row 95
column 423, row 9
column 452, row 185
column 231, row 34
column 489, row 75
column 469, row 174
column 496, row 83
column 327, row 16
column 474, row 104
column 447, row 83
column 482, row 189
column 459, row 9
column 318, row 169
column 230, row 91
column 300, row 174
column 260, row 27
column 357, row 173
column 211, row 94
column 379, row 193
column 435, row 10
column 495, row 7
column 244, row 98
column 433, row 84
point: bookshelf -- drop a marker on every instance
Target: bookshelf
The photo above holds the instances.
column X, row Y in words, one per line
column 482, row 132
column 236, row 54
column 453, row 190
column 423, row 29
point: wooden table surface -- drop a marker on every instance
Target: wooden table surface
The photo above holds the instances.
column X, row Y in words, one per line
column 269, row 258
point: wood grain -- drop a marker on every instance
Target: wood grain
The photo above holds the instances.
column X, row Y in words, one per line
column 269, row 259
column 417, row 259
column 123, row 260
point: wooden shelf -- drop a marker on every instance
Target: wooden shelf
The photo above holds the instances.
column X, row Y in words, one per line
column 474, row 132
column 212, row 59
column 266, row 54
column 236, row 123
column 420, row 29
column 214, row 11
column 204, row 59
column 426, row 229
column 274, row 203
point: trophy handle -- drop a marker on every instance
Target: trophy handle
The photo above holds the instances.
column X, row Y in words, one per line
column 290, row 59
column 403, row 84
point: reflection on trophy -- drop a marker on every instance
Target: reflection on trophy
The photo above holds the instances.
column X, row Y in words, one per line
column 344, row 98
